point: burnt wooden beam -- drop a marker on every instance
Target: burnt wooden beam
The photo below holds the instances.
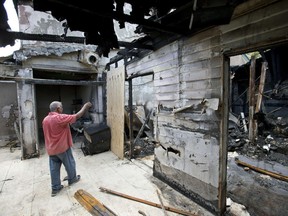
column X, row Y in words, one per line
column 179, row 10
column 63, row 82
column 43, row 37
column 142, row 127
column 130, row 105
column 140, row 75
column 51, row 82
column 128, row 53
column 67, row 39
column 251, row 96
column 135, row 45
column 125, row 18
column 119, row 57
column 113, row 60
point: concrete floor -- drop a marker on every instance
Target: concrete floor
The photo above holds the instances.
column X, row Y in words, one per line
column 25, row 186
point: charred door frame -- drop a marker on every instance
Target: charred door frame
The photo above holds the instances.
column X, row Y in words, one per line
column 222, row 190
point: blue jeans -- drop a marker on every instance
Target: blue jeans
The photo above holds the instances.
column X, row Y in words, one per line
column 55, row 162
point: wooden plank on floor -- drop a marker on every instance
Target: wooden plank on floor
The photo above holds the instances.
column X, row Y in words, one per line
column 92, row 205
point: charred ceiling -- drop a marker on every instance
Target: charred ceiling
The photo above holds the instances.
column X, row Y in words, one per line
column 155, row 19
column 4, row 38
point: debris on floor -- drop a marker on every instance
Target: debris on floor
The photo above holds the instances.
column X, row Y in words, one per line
column 235, row 209
column 33, row 183
column 258, row 192
column 271, row 144
column 262, row 174
column 143, row 143
column 12, row 144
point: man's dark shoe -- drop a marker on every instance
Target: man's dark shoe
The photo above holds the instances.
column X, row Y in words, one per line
column 65, row 178
column 75, row 181
column 55, row 192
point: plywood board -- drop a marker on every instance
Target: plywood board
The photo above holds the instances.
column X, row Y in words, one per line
column 115, row 109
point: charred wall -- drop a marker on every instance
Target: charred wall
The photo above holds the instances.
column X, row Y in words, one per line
column 9, row 112
column 187, row 91
column 190, row 81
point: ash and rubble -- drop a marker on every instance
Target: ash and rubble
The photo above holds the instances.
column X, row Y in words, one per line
column 271, row 143
column 143, row 143
column 258, row 193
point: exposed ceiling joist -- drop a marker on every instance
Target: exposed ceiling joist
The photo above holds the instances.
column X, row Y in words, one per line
column 168, row 20
column 128, row 53
column 135, row 45
column 125, row 18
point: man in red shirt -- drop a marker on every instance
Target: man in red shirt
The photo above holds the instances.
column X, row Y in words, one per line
column 58, row 143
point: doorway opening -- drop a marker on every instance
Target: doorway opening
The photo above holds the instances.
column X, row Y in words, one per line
column 258, row 130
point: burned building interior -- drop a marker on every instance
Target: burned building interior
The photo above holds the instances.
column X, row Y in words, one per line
column 271, row 114
column 206, row 99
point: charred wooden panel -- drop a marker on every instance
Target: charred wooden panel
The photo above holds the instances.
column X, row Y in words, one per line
column 264, row 26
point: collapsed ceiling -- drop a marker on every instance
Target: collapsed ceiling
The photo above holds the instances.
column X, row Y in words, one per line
column 155, row 19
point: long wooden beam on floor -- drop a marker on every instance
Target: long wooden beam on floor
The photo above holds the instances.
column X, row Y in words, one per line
column 186, row 213
column 266, row 172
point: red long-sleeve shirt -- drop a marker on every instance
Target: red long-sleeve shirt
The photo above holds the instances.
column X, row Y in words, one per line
column 57, row 132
